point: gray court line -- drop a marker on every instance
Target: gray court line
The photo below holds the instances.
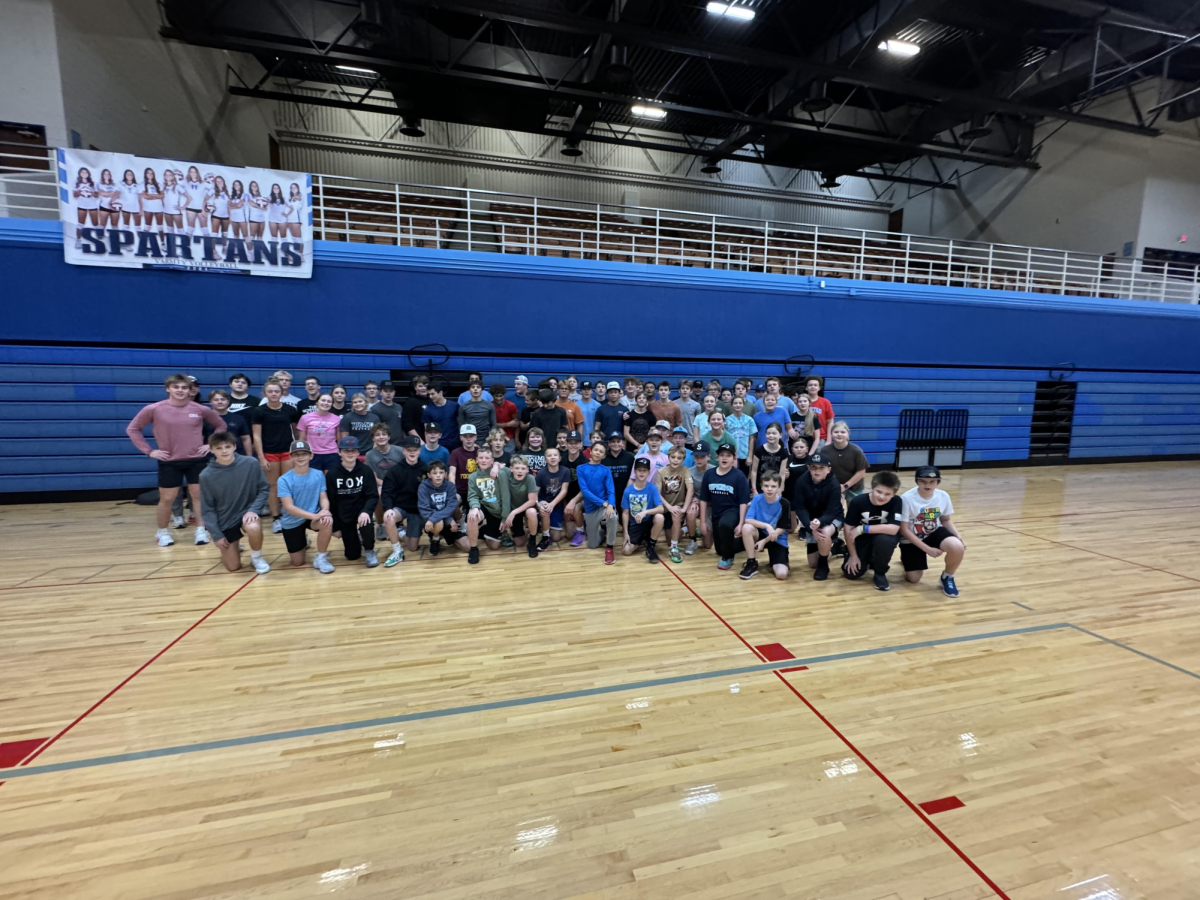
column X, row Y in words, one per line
column 23, row 772
column 1161, row 662
column 1022, row 605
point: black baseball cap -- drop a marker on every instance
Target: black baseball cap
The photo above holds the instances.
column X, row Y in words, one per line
column 584, row 386
column 701, row 449
column 928, row 472
column 411, row 441
column 616, row 434
column 730, row 447
column 433, row 426
column 818, row 459
column 642, row 462
column 698, row 385
column 387, row 386
column 575, row 435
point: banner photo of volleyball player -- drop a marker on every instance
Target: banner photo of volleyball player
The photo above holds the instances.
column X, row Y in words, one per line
column 143, row 213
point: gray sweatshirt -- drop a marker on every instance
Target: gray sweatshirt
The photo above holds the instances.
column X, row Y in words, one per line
column 480, row 413
column 229, row 492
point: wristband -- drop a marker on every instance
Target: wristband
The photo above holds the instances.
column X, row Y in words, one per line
column 866, row 529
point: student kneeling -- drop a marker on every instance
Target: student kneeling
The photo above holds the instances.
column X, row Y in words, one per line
column 305, row 504
column 925, row 529
column 873, row 529
column 765, row 528
column 642, row 512
column 233, row 496
column 353, row 495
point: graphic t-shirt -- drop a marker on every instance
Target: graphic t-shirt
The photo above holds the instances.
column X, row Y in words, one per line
column 672, row 484
column 380, row 463
column 321, row 430
column 861, row 511
column 923, row 516
column 462, row 461
column 769, row 461
column 638, row 500
column 242, row 407
column 777, row 515
column 724, row 492
column 305, row 491
column 740, row 428
column 276, row 426
column 359, row 425
column 550, row 483
column 640, row 424
column 537, row 460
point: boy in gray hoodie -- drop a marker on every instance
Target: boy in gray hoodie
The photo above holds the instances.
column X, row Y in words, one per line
column 233, row 495
column 436, row 502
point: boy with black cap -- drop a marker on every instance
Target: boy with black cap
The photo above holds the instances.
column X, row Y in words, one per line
column 696, row 525
column 817, row 502
column 726, row 491
column 432, row 450
column 573, row 511
column 305, row 503
column 587, row 406
column 390, row 413
column 872, row 529
column 642, row 512
column 353, row 495
column 400, row 503
column 925, row 530
column 620, row 463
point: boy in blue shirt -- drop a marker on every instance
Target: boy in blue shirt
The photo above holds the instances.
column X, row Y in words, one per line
column 305, row 506
column 599, row 501
column 432, row 451
column 587, row 406
column 767, row 521
column 642, row 512
column 443, row 413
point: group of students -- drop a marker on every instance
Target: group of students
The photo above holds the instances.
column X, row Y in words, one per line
column 728, row 472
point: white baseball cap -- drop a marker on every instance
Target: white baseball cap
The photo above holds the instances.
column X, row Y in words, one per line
column 467, row 429
column 520, row 379
column 613, row 386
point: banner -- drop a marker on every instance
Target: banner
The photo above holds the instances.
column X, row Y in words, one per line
column 144, row 213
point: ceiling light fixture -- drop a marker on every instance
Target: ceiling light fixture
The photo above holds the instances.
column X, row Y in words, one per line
column 829, row 181
column 712, row 167
column 900, row 48
column 570, row 147
column 730, row 11
column 354, row 70
column 648, row 112
column 411, row 127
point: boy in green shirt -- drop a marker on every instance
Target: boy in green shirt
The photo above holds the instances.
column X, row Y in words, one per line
column 518, row 492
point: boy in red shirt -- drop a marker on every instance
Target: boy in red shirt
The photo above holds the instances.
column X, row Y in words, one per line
column 507, row 416
column 813, row 385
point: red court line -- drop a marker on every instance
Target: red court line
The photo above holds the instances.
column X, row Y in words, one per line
column 732, row 630
column 48, row 744
column 943, row 805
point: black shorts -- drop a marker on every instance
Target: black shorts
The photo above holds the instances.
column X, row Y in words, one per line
column 492, row 526
column 233, row 535
column 296, row 539
column 777, row 554
column 172, row 472
column 914, row 559
column 639, row 532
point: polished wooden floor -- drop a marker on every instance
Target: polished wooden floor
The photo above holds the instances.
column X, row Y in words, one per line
column 536, row 742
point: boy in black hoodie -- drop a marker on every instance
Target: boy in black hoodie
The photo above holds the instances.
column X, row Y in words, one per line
column 400, row 500
column 817, row 502
column 350, row 486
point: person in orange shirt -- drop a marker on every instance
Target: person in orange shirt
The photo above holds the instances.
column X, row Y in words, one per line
column 570, row 407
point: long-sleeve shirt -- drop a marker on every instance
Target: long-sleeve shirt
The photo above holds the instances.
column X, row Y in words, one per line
column 400, row 486
column 480, row 413
column 178, row 430
column 514, row 493
column 434, row 503
column 483, row 492
column 596, row 485
column 229, row 492
column 350, row 493
column 821, row 501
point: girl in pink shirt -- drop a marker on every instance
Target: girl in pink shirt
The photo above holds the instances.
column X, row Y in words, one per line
column 319, row 427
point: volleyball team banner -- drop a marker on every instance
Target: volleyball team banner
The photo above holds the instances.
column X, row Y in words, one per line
column 144, row 213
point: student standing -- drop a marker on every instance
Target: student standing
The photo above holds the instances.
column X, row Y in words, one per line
column 178, row 428
column 772, row 413
column 717, row 435
column 518, row 503
column 674, row 482
column 353, row 496
column 771, row 456
column 359, row 421
column 319, row 427
column 817, row 505
column 872, row 529
column 476, row 411
column 549, row 416
column 389, row 412
column 848, row 461
column 219, row 401
column 534, row 451
column 380, row 458
column 727, row 492
column 611, row 415
column 564, row 402
column 285, row 384
column 507, row 416
column 797, row 464
column 239, row 400
column 305, row 508
column 653, row 451
column 474, row 378
column 697, row 525
column 679, row 439
column 443, row 413
column 411, row 414
column 233, row 496
column 805, row 422
column 642, row 512
column 688, row 409
column 436, row 502
column 638, row 423
column 520, row 389
column 632, row 389
column 749, row 407
column 926, row 530
column 587, row 406
column 599, row 499
column 497, row 439
column 401, row 516
column 371, row 389
column 462, row 462
column 766, row 528
column 744, row 432
column 664, row 408
column 312, row 388
column 702, row 424
column 271, row 425
column 340, row 406
column 814, row 385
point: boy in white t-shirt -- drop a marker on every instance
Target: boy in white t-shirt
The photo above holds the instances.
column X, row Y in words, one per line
column 926, row 530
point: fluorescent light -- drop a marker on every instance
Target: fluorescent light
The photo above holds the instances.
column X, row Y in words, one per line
column 356, row 71
column 900, row 48
column 649, row 112
column 734, row 12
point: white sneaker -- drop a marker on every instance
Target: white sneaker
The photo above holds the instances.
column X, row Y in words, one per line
column 690, row 548
column 371, row 558
column 322, row 564
column 164, row 538
column 396, row 556
column 277, row 527
column 201, row 535
column 261, row 566
column 177, row 522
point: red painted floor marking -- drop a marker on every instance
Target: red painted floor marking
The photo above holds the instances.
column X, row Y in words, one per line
column 774, row 652
column 732, row 630
column 14, row 751
column 936, row 806
column 795, row 669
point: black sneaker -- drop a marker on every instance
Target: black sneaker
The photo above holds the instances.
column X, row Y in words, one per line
column 749, row 570
column 532, row 549
column 881, row 583
column 651, row 554
column 821, row 572
column 435, row 546
column 839, row 548
column 544, row 544
column 473, row 556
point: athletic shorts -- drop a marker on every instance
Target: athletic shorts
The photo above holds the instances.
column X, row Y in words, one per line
column 777, row 555
column 296, row 539
column 412, row 521
column 321, row 461
column 639, row 532
column 914, row 559
column 171, row 472
column 277, row 457
column 493, row 526
column 556, row 517
column 234, row 534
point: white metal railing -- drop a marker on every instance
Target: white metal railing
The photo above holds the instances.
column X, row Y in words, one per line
column 366, row 211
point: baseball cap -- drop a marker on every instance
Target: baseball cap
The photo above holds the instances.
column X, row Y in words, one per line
column 616, row 434
column 300, row 447
column 411, row 441
column 613, row 386
column 349, row 442
column 575, row 435
column 818, row 459
column 433, row 426
column 697, row 385
column 679, row 429
column 663, row 423
column 520, row 379
column 642, row 462
column 730, row 447
column 928, row 472
column 585, row 385
column 761, row 386
column 701, row 449
column 387, row 386
column 467, row 429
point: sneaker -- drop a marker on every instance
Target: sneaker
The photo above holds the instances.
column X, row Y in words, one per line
column 690, row 550
column 202, row 535
column 380, row 533
column 435, row 546
column 651, row 554
column 371, row 558
column 821, row 572
column 881, row 583
column 177, row 522
column 261, row 566
column 397, row 556
column 949, row 588
column 473, row 556
column 676, row 556
column 724, row 564
column 277, row 526
column 544, row 544
column 533, row 550
column 749, row 570
column 609, row 556
column 164, row 538
column 322, row 564
column 577, row 539
column 506, row 540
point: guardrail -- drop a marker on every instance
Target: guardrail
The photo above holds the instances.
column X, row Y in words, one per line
column 365, row 211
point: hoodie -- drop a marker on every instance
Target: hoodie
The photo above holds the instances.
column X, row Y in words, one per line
column 436, row 504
